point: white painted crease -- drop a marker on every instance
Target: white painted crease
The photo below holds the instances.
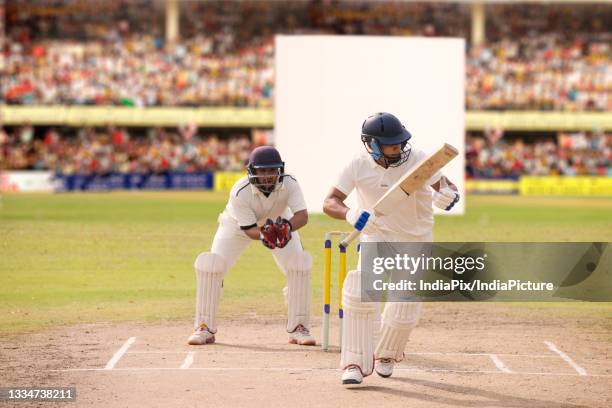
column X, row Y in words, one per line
column 117, row 356
column 188, row 360
column 568, row 360
column 499, row 364
column 303, row 369
column 230, row 352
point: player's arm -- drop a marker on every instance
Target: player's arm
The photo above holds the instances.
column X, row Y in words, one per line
column 246, row 217
column 334, row 206
column 253, row 232
column 298, row 220
column 296, row 204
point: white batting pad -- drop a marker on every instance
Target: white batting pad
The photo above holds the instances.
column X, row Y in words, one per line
column 397, row 322
column 297, row 291
column 359, row 325
column 210, row 269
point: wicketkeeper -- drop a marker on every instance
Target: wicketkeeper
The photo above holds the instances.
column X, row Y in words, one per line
column 267, row 205
column 388, row 157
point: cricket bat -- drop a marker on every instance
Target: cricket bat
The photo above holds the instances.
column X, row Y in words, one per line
column 414, row 178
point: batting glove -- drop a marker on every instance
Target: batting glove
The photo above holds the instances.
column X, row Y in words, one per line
column 445, row 198
column 363, row 220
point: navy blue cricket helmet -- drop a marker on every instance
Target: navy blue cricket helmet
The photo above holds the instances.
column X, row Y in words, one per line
column 383, row 128
column 265, row 157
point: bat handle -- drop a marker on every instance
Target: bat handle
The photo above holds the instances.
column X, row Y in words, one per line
column 349, row 238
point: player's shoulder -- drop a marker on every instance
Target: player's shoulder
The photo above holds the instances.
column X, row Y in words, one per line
column 361, row 162
column 290, row 181
column 417, row 154
column 361, row 158
column 241, row 188
column 358, row 160
column 289, row 178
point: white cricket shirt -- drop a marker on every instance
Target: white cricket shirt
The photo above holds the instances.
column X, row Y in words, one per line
column 247, row 206
column 414, row 214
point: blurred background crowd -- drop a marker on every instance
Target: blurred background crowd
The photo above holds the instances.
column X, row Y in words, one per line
column 93, row 150
column 491, row 156
column 537, row 57
column 119, row 150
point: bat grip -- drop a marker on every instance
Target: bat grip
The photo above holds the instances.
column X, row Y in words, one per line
column 349, row 238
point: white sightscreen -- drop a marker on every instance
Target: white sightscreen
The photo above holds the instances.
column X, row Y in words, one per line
column 326, row 86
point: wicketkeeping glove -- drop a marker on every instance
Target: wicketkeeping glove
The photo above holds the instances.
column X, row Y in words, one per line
column 267, row 234
column 283, row 232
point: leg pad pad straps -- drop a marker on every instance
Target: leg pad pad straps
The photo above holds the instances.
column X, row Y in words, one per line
column 297, row 291
column 397, row 323
column 360, row 322
column 210, row 269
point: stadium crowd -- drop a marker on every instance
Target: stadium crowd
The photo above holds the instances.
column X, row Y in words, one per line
column 543, row 73
column 538, row 56
column 491, row 156
column 115, row 150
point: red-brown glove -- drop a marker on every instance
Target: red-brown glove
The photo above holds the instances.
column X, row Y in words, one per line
column 267, row 234
column 283, row 232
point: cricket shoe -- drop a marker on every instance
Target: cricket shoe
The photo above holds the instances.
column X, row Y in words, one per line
column 301, row 336
column 384, row 367
column 352, row 375
column 202, row 335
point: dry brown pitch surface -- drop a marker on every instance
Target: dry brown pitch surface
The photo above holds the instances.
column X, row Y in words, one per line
column 461, row 355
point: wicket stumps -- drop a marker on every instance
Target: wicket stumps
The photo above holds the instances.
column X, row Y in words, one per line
column 327, row 288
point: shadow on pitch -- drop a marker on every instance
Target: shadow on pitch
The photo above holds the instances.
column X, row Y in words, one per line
column 490, row 398
column 287, row 348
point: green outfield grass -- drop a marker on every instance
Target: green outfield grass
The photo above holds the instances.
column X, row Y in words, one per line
column 73, row 258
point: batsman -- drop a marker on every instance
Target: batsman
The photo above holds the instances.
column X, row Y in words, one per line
column 267, row 205
column 369, row 342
